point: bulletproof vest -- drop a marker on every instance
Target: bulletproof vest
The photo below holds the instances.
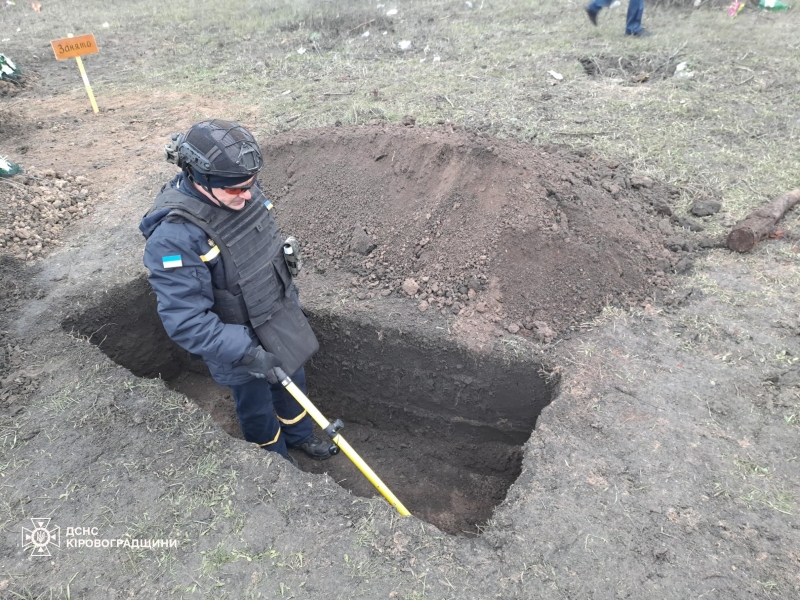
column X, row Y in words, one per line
column 258, row 281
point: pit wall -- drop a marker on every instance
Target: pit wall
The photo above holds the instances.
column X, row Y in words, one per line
column 419, row 380
column 424, row 383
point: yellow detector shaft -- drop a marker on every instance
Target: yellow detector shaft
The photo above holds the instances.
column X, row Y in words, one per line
column 332, row 430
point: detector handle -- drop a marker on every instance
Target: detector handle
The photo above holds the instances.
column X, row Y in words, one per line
column 348, row 450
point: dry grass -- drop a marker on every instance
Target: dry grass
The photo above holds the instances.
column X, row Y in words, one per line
column 730, row 131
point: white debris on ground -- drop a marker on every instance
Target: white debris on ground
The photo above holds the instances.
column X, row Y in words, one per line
column 682, row 71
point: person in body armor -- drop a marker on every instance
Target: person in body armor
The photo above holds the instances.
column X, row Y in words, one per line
column 225, row 292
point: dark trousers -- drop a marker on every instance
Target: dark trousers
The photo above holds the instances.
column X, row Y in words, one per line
column 633, row 23
column 270, row 416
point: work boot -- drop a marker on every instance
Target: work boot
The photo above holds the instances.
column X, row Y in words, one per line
column 316, row 448
column 641, row 33
column 592, row 16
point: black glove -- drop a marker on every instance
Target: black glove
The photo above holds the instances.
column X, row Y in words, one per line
column 260, row 364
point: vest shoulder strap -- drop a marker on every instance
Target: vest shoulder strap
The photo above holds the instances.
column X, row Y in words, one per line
column 175, row 200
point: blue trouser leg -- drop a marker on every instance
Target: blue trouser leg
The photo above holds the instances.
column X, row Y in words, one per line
column 595, row 6
column 297, row 426
column 634, row 19
column 269, row 415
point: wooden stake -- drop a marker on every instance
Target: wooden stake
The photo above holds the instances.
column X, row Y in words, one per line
column 86, row 84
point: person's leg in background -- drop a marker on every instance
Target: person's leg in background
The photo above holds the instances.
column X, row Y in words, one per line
column 633, row 25
column 594, row 7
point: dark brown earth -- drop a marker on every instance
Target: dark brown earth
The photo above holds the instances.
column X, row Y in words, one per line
column 421, row 214
column 559, row 478
column 529, row 238
column 412, row 214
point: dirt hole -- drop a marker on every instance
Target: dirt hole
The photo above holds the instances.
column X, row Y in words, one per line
column 442, row 427
column 633, row 69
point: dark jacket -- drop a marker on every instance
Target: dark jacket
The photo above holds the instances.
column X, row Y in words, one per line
column 185, row 293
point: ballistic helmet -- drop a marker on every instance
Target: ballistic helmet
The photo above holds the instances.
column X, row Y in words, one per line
column 215, row 150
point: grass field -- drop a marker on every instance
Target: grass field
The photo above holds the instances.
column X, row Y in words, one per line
column 729, row 131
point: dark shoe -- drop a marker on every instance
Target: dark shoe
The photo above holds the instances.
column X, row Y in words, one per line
column 592, row 16
column 641, row 33
column 316, row 448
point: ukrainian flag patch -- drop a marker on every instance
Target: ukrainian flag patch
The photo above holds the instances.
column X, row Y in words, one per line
column 268, row 204
column 170, row 262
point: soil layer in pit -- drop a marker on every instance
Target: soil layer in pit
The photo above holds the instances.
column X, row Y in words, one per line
column 442, row 426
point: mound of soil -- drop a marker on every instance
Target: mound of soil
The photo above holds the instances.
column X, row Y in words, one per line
column 37, row 205
column 533, row 239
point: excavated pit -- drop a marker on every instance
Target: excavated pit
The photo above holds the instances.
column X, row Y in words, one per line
column 443, row 427
column 492, row 239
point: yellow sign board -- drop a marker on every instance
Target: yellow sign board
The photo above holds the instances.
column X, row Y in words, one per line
column 73, row 47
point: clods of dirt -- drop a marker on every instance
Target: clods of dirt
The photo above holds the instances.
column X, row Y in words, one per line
column 528, row 239
column 8, row 88
column 705, row 207
column 36, row 206
column 18, row 384
column 18, row 378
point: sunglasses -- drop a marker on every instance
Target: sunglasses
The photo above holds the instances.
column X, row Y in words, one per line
column 238, row 190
